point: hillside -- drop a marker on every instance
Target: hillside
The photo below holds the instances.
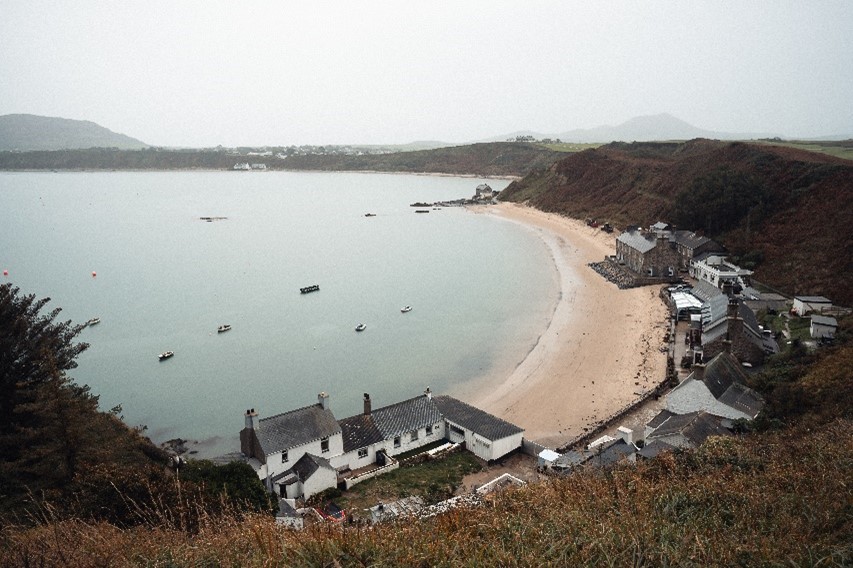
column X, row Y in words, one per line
column 488, row 159
column 785, row 211
column 24, row 132
column 495, row 159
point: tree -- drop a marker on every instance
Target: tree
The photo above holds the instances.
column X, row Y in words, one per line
column 39, row 404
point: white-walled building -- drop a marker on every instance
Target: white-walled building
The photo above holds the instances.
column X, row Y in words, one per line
column 302, row 452
column 806, row 304
column 823, row 326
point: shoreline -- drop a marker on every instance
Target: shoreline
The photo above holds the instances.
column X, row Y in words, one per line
column 599, row 351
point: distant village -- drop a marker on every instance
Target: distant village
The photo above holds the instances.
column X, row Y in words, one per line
column 716, row 338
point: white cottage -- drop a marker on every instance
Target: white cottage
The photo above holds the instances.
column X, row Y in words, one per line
column 277, row 443
column 823, row 326
column 486, row 436
column 805, row 304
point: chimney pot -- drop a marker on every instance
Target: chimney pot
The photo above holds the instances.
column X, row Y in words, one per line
column 428, row 393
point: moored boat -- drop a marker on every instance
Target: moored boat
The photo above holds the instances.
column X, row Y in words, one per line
column 309, row 289
column 406, row 309
column 360, row 327
column 93, row 321
column 165, row 355
column 223, row 327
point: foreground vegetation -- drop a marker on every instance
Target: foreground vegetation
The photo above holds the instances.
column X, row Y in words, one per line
column 779, row 495
column 777, row 498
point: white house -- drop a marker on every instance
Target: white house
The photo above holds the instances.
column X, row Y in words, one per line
column 305, row 451
column 277, row 443
column 823, row 326
column 486, row 436
column 805, row 304
column 716, row 388
column 717, row 270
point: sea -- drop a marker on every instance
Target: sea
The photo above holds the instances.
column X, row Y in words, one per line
column 133, row 249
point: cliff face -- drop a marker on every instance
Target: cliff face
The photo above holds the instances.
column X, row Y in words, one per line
column 785, row 210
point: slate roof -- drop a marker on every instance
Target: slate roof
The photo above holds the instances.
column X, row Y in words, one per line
column 480, row 422
column 652, row 449
column 305, row 467
column 359, row 431
column 637, row 241
column 295, row 428
column 704, row 290
column 405, row 416
column 690, row 239
column 825, row 320
column 724, row 377
column 660, row 418
column 612, row 452
column 696, row 427
column 813, row 299
column 660, row 226
column 715, row 319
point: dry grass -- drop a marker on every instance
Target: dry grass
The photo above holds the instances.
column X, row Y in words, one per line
column 772, row 499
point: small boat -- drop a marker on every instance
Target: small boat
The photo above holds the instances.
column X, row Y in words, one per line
column 406, row 309
column 309, row 289
column 93, row 321
column 224, row 327
column 165, row 355
column 421, row 210
column 360, row 327
column 370, row 214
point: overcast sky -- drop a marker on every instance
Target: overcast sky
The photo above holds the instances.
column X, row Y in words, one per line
column 181, row 73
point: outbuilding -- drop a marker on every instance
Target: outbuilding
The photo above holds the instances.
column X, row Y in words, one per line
column 823, row 327
column 806, row 304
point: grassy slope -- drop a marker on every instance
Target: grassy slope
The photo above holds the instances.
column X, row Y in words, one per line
column 806, row 243
column 769, row 499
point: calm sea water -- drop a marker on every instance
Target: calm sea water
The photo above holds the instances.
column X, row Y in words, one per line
column 481, row 289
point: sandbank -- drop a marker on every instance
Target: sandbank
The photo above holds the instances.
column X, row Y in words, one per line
column 600, row 351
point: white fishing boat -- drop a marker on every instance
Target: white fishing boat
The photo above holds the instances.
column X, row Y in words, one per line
column 406, row 309
column 223, row 327
column 360, row 327
column 165, row 355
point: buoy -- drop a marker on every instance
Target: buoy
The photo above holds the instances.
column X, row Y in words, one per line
column 94, row 274
column 5, row 273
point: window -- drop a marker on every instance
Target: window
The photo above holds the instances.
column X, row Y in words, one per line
column 429, row 430
column 324, row 444
column 362, row 452
column 414, row 435
column 284, row 456
column 397, row 442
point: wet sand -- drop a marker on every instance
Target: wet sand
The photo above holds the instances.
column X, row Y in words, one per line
column 600, row 350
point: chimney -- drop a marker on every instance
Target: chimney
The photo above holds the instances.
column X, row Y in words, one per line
column 428, row 393
column 728, row 288
column 323, row 400
column 626, row 434
column 699, row 371
column 366, row 404
column 727, row 346
column 734, row 324
column 251, row 422
column 248, row 436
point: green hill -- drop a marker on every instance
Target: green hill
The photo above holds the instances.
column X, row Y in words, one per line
column 25, row 132
column 784, row 211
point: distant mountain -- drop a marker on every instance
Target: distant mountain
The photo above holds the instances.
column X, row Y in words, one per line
column 31, row 132
column 641, row 129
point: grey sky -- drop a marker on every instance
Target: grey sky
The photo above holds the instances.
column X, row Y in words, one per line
column 181, row 73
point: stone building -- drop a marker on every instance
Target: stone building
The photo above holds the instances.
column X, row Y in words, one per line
column 647, row 253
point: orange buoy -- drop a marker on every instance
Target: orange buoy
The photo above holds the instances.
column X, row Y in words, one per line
column 94, row 274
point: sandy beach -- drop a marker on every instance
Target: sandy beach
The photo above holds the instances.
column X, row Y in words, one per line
column 601, row 348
